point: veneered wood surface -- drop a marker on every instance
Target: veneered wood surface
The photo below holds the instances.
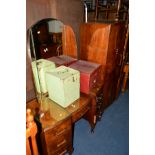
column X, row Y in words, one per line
column 69, row 44
column 57, row 135
column 103, row 43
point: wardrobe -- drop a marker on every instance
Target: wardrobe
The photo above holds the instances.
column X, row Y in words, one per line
column 103, row 43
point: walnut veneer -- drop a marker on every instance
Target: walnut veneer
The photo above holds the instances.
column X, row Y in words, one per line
column 56, row 124
column 54, row 127
column 103, row 43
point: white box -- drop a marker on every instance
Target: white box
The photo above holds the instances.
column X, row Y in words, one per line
column 63, row 85
column 39, row 67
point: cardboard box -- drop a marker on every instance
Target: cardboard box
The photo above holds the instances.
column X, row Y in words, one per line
column 63, row 85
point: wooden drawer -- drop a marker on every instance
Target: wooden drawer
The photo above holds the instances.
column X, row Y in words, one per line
column 58, row 142
column 58, row 137
column 59, row 129
column 60, row 151
column 77, row 115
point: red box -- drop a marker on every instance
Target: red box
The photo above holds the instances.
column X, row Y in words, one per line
column 62, row 60
column 90, row 74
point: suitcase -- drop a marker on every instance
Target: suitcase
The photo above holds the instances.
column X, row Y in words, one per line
column 39, row 67
column 90, row 74
column 63, row 85
column 62, row 60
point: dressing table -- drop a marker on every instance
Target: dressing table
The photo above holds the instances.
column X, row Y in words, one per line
column 56, row 124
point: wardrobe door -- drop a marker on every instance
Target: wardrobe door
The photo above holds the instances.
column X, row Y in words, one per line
column 94, row 42
column 94, row 39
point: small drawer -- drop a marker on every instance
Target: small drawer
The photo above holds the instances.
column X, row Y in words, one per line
column 60, row 151
column 94, row 80
column 77, row 115
column 57, row 142
column 59, row 129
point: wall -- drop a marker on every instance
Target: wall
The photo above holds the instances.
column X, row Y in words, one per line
column 70, row 12
column 37, row 10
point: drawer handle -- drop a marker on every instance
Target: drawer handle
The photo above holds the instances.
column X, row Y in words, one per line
column 59, row 133
column 62, row 153
column 63, row 142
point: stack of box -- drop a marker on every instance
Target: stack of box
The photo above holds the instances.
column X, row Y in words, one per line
column 39, row 68
column 63, row 85
column 90, row 74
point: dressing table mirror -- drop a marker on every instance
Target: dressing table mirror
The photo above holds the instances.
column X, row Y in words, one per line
column 45, row 41
column 48, row 38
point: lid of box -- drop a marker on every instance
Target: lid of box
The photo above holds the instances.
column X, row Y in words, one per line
column 63, row 72
column 85, row 66
column 42, row 63
column 56, row 60
column 66, row 57
column 62, row 59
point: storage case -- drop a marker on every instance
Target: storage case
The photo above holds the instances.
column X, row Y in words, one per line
column 63, row 85
column 90, row 74
column 62, row 60
column 39, row 67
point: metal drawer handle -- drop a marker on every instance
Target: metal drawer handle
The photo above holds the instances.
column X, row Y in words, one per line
column 62, row 153
column 63, row 142
column 94, row 81
column 59, row 133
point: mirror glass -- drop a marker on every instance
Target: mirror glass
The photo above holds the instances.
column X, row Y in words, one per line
column 46, row 38
column 45, row 41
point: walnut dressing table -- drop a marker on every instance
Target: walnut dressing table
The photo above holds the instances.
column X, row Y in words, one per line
column 56, row 123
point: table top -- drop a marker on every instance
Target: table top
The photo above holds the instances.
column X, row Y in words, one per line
column 50, row 112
